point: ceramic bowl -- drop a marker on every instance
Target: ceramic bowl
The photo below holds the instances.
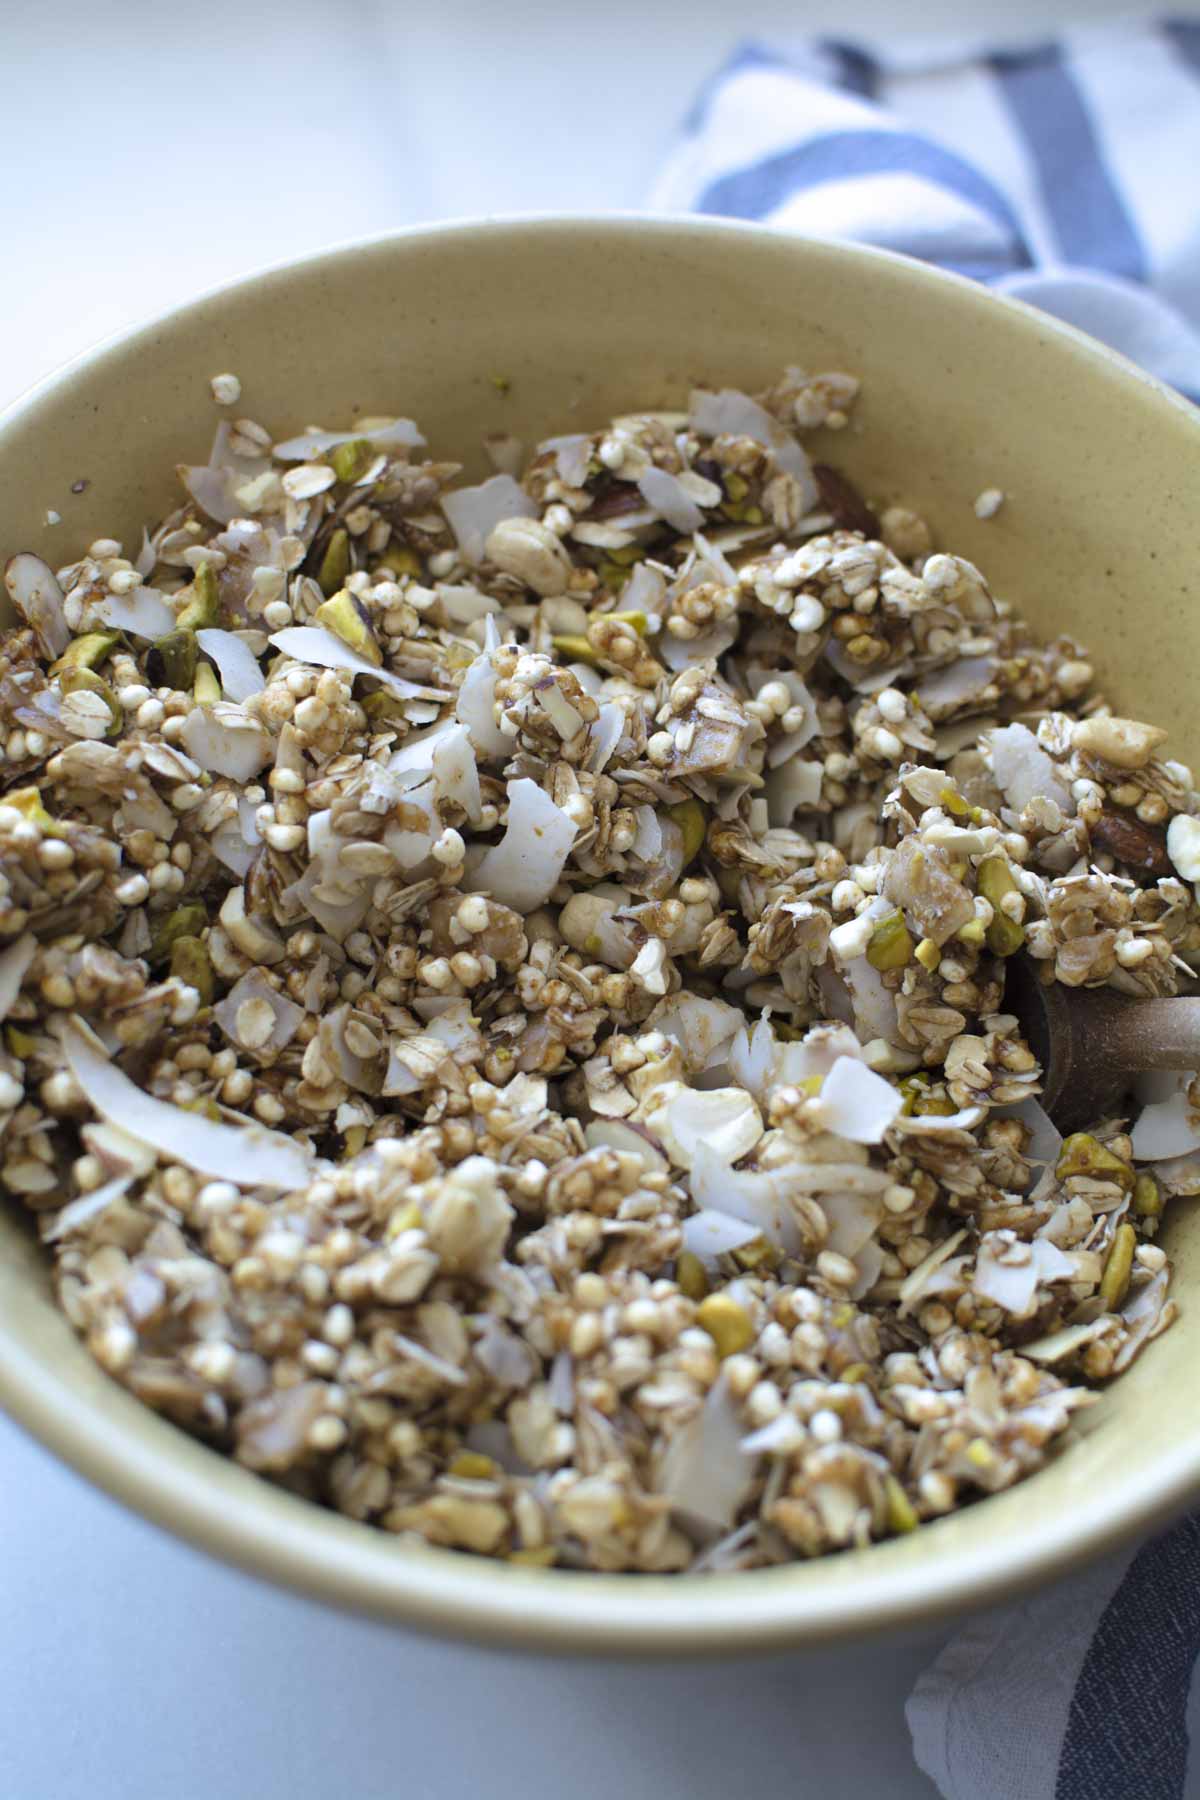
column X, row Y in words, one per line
column 584, row 318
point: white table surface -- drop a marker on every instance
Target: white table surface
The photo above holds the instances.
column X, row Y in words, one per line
column 152, row 151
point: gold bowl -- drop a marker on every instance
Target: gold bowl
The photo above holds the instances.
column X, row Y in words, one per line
column 579, row 319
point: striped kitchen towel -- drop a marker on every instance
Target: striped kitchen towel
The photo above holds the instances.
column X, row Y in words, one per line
column 1063, row 173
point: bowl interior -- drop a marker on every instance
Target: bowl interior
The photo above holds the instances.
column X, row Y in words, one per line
column 543, row 326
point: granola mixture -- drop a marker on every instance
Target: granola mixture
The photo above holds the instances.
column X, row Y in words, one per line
column 503, row 987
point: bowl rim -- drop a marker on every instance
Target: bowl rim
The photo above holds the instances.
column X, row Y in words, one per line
column 160, row 1472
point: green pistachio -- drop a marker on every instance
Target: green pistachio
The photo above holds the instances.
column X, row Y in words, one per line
column 86, row 652
column 348, row 619
column 351, row 461
column 171, row 661
column 891, row 945
column 335, row 564
column 204, row 607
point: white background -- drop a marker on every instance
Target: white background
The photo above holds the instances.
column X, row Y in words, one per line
column 151, row 152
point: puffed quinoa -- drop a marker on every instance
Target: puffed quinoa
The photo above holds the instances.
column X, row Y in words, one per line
column 503, row 987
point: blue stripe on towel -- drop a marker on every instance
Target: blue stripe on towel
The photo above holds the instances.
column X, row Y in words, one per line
column 754, row 192
column 1126, row 1735
column 1085, row 208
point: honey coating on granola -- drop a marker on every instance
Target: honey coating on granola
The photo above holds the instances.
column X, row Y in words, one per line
column 502, row 986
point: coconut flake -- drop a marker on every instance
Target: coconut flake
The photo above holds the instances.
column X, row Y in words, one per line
column 247, row 1155
column 410, row 842
column 723, row 1120
column 960, row 683
column 15, row 959
column 283, row 1015
column 857, row 993
column 913, row 1285
column 1141, row 1315
column 474, row 512
column 146, row 557
column 934, row 1124
column 869, row 1262
column 779, row 1438
column 452, row 1023
column 606, row 733
column 1023, row 770
column 335, row 915
column 82, row 1211
column 226, row 741
column 684, row 653
column 856, row 1103
column 143, row 613
column 571, row 457
column 1166, row 1129
column 1009, row 1285
column 1059, row 1344
column 645, row 591
column 703, row 1029
column 752, row 1058
column 236, row 662
column 213, row 490
column 561, row 1384
column 475, row 708
column 794, row 787
column 711, row 1234
column 396, row 434
column 504, row 1357
column 853, row 1218
column 231, row 849
column 455, row 775
column 702, row 1470
column 325, row 650
column 747, row 1194
column 629, row 1140
column 730, row 413
column 670, row 499
column 1045, row 1142
column 34, row 591
column 523, row 868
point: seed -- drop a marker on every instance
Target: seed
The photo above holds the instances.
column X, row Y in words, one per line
column 727, row 1324
column 204, row 607
column 996, row 882
column 348, row 619
column 890, row 945
column 1147, row 1200
column 352, row 460
column 691, row 1276
column 191, row 964
column 171, row 662
column 692, row 820
column 1082, row 1154
column 86, row 652
column 901, row 1514
column 335, row 564
column 1118, row 1265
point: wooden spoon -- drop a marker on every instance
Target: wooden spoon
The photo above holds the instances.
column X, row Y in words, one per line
column 1092, row 1042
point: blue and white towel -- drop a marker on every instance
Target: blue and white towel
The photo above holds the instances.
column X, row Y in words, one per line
column 1064, row 173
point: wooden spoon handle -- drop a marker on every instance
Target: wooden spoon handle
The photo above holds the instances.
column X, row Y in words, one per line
column 1151, row 1034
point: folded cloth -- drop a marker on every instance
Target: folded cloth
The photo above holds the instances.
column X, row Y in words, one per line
column 1057, row 173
